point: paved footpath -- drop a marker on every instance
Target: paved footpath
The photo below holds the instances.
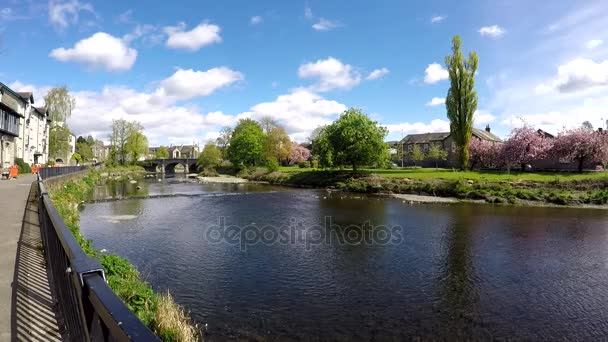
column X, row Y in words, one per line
column 26, row 312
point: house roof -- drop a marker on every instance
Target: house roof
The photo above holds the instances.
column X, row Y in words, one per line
column 424, row 138
column 485, row 135
column 40, row 110
column 26, row 95
column 182, row 148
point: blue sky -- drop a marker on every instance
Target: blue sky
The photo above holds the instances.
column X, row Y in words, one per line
column 185, row 69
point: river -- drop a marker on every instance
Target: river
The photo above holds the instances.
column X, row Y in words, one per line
column 260, row 262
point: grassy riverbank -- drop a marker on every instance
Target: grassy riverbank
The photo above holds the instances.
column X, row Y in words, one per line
column 158, row 311
column 492, row 187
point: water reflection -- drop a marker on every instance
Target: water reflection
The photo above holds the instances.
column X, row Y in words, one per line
column 461, row 271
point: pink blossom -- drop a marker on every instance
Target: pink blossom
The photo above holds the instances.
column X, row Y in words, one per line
column 483, row 153
column 524, row 146
column 298, row 154
column 582, row 145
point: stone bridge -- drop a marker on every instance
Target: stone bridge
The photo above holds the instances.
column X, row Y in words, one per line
column 167, row 166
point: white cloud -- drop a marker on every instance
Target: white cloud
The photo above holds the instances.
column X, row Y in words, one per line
column 332, row 74
column 125, row 17
column 436, row 101
column 308, row 12
column 482, row 117
column 146, row 32
column 435, row 73
column 592, row 44
column 438, row 18
column 202, row 35
column 64, row 13
column 436, row 125
column 376, row 74
column 256, row 20
column 577, row 75
column 300, row 111
column 186, row 84
column 101, row 50
column 325, row 25
column 493, row 31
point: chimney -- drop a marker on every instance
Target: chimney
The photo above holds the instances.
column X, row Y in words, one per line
column 600, row 129
column 488, row 128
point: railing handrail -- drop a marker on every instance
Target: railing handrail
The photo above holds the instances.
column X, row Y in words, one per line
column 101, row 314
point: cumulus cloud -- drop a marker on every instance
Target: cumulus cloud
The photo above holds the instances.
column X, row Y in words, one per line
column 435, row 73
column 186, row 84
column 256, row 20
column 331, row 74
column 482, row 117
column 325, row 25
column 594, row 43
column 101, row 50
column 300, row 111
column 203, row 34
column 577, row 75
column 436, row 125
column 436, row 101
column 438, row 18
column 376, row 74
column 493, row 31
column 65, row 13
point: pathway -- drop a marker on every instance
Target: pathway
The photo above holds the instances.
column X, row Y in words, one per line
column 26, row 312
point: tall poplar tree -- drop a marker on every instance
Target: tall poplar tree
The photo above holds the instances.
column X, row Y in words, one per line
column 461, row 101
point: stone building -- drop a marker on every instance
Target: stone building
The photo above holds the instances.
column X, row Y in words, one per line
column 445, row 141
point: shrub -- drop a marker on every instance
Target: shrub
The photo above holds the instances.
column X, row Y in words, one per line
column 272, row 165
column 23, row 166
column 302, row 165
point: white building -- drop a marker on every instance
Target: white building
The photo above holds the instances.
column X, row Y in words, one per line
column 24, row 129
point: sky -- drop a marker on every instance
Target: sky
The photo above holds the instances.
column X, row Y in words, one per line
column 185, row 69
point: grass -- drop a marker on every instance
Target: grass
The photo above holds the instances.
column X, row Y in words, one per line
column 491, row 186
column 158, row 312
column 450, row 174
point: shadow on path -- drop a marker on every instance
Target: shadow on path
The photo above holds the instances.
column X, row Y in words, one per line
column 33, row 316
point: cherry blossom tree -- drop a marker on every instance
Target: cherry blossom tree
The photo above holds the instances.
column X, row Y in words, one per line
column 483, row 153
column 582, row 145
column 298, row 153
column 524, row 146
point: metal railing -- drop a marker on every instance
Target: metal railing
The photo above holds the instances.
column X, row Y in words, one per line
column 47, row 172
column 88, row 309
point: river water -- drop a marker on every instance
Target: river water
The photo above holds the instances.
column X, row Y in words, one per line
column 262, row 262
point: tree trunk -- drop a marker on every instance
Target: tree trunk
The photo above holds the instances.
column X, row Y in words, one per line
column 581, row 161
column 354, row 167
column 463, row 157
column 523, row 167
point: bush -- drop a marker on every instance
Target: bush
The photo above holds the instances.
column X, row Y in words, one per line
column 302, row 165
column 272, row 165
column 23, row 166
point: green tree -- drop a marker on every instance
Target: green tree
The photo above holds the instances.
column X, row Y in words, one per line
column 210, row 157
column 416, row 155
column 84, row 150
column 277, row 145
column 356, row 140
column 437, row 154
column 137, row 142
column 162, row 153
column 121, row 129
column 59, row 104
column 81, row 139
column 90, row 140
column 59, row 145
column 321, row 148
column 77, row 158
column 223, row 140
column 461, row 101
column 246, row 144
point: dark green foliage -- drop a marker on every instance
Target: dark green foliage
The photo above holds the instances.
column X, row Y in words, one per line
column 303, row 165
column 23, row 166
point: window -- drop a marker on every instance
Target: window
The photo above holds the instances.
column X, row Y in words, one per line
column 9, row 122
